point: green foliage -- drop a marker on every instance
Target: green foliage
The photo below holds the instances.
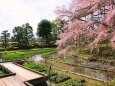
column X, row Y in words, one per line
column 44, row 30
column 5, row 36
column 23, row 35
column 97, row 84
column 19, row 55
column 111, row 83
column 55, row 31
column 1, row 73
column 76, row 82
column 35, row 66
column 13, row 55
column 58, row 78
column 48, row 54
column 54, row 77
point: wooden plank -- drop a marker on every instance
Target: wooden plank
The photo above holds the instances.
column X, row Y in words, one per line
column 22, row 75
column 7, row 82
column 2, row 83
column 13, row 81
column 27, row 74
column 18, row 80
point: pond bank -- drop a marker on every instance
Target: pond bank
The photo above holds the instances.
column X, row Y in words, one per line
column 100, row 80
column 82, row 70
column 96, row 67
column 91, row 73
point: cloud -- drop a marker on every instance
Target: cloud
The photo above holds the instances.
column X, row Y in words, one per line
column 18, row 12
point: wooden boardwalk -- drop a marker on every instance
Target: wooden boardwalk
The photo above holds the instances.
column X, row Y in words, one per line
column 12, row 81
column 22, row 75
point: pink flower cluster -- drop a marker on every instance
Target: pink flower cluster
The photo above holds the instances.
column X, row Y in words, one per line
column 77, row 28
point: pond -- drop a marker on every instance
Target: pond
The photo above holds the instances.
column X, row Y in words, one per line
column 37, row 58
column 99, row 74
column 104, row 75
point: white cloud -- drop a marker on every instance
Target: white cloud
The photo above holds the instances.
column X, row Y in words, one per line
column 18, row 12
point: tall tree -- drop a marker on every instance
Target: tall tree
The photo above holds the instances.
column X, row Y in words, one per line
column 44, row 30
column 87, row 19
column 55, row 31
column 5, row 36
column 17, row 32
column 28, row 33
column 23, row 35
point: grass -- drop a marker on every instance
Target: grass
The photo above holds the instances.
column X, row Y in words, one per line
column 74, row 82
column 47, row 52
column 54, row 76
column 59, row 78
column 35, row 66
column 89, row 82
column 19, row 55
column 40, row 67
column 1, row 73
column 82, row 54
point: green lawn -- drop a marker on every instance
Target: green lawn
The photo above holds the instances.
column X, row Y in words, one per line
column 1, row 73
column 19, row 55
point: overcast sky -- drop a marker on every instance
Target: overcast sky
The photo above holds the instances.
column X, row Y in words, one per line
column 18, row 12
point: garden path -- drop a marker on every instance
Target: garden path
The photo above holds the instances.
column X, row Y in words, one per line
column 22, row 75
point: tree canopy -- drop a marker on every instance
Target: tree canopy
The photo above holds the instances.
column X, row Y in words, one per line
column 44, row 29
column 23, row 35
column 5, row 36
column 89, row 21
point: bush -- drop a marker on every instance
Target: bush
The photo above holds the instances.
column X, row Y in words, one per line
column 35, row 66
column 75, row 82
column 1, row 73
column 58, row 78
column 111, row 83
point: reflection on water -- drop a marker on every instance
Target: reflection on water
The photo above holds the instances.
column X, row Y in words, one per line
column 1, row 60
column 104, row 75
column 37, row 58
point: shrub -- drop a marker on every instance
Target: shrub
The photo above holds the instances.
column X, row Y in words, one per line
column 1, row 73
column 111, row 83
column 75, row 82
column 58, row 78
column 35, row 66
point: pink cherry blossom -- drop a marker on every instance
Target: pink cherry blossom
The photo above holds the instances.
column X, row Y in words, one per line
column 87, row 21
